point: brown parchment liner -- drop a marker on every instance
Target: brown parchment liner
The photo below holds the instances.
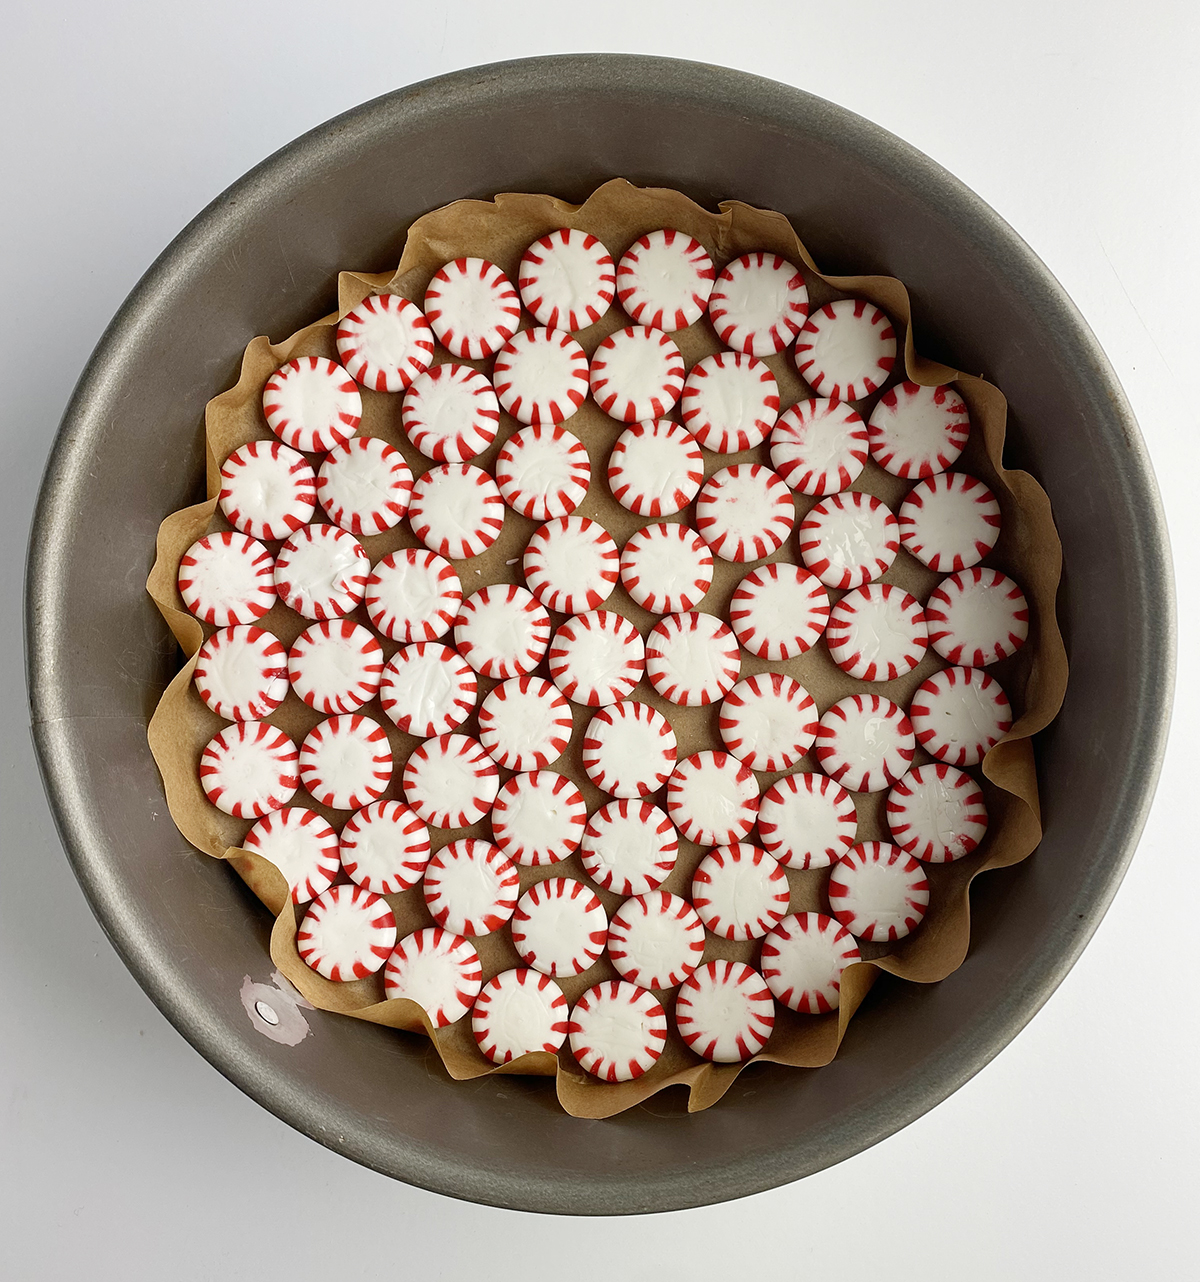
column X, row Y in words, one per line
column 1035, row 678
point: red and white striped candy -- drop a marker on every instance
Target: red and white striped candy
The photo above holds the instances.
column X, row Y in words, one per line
column 428, row 689
column 740, row 892
column 629, row 847
column 730, row 402
column 385, row 847
column 629, row 749
column 519, row 1012
column 636, row 374
column 524, row 723
column 450, row 781
column 664, row 280
column 347, row 933
column 312, row 404
column 937, row 814
column 666, row 568
column 617, row 1031
column 472, row 307
column 692, row 659
column 865, row 742
column 541, row 376
column 365, row 485
column 571, row 564
column 241, row 673
column 450, row 413
column 438, row 970
column 559, row 927
column 597, row 658
column 819, row 446
column 917, row 431
column 712, row 798
column 806, row 820
column 655, row 468
column 336, row 667
column 950, row 521
column 470, row 887
column 977, row 617
column 779, row 611
column 543, row 472
column 567, row 279
column 267, row 490
column 745, row 512
column 758, row 303
column 538, row 818
column 346, row 762
column 227, row 578
column 846, row 350
column 456, row 510
column 249, row 769
column 385, row 342
column 878, row 892
column 958, row 714
column 302, row 846
column 849, row 539
column 725, row 1012
column 877, row 633
column 803, row 959
column 655, row 940
column 502, row 631
column 769, row 721
column 413, row 595
column 321, row 572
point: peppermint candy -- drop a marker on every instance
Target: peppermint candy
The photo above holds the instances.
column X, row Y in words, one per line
column 227, row 579
column 730, row 402
column 846, row 350
column 597, row 658
column 916, row 431
column 655, row 940
column 740, row 892
column 543, row 472
column 321, row 572
column 519, row 1012
column 724, row 1012
column 450, row 413
column 758, row 304
column 878, row 892
column 712, row 798
column 636, row 374
column 655, row 468
column 950, row 521
column 385, row 342
column 849, row 539
column 617, row 1031
column 958, row 714
column 249, row 769
column 365, row 485
column 538, row 818
column 769, row 721
column 311, row 404
column 427, row 689
column 779, row 611
column 524, row 724
column 803, row 959
column 347, row 933
column 806, row 820
column 877, row 633
column 819, row 446
column 385, row 848
column 438, row 970
column 567, row 279
column 450, row 781
column 336, row 667
column 559, row 927
column 413, row 595
column 472, row 307
column 664, row 280
column 977, row 617
column 470, row 887
column 666, row 568
column 692, row 659
column 629, row 847
column 302, row 846
column 745, row 512
column 456, row 510
column 937, row 814
column 541, row 376
column 241, row 673
column 267, row 490
column 629, row 749
column 346, row 762
column 571, row 564
column 502, row 631
column 865, row 742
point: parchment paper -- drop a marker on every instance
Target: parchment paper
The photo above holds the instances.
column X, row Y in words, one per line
column 1035, row 678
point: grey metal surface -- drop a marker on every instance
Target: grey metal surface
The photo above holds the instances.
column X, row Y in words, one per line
column 262, row 258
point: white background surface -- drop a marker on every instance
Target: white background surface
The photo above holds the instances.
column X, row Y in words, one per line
column 122, row 1153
